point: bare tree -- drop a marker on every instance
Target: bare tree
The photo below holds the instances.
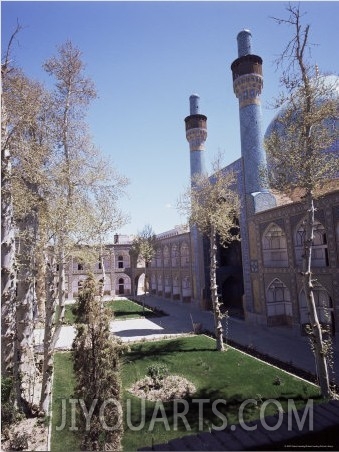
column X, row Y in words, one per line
column 299, row 152
column 212, row 206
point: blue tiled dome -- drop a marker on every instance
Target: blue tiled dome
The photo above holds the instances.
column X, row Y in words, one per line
column 330, row 81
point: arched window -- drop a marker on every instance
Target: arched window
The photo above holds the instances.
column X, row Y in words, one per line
column 159, row 257
column 176, row 288
column 186, row 289
column 120, row 261
column 323, row 303
column 80, row 285
column 186, row 283
column 185, row 254
column 166, row 256
column 278, row 299
column 175, row 256
column 168, row 285
column 274, row 247
column 319, row 245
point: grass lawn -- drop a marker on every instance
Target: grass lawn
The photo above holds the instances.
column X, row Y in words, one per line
column 231, row 376
column 63, row 387
column 123, row 309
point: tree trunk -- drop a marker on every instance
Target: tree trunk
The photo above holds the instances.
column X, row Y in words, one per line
column 8, row 268
column 25, row 314
column 47, row 369
column 214, row 292
column 62, row 284
column 41, row 279
column 319, row 349
column 53, row 325
column 103, row 274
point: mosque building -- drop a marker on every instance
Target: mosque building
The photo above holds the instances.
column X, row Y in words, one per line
column 259, row 278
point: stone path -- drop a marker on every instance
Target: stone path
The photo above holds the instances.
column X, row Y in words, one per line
column 128, row 330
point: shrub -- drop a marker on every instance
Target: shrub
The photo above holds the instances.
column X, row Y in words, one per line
column 157, row 371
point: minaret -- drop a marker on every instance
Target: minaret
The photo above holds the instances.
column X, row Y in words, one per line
column 196, row 134
column 255, row 196
column 247, row 86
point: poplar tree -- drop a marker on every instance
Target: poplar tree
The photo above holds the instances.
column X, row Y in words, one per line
column 212, row 205
column 26, row 147
column 299, row 153
column 54, row 179
column 84, row 185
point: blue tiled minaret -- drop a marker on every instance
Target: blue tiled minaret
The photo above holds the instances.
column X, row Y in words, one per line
column 254, row 195
column 247, row 86
column 196, row 134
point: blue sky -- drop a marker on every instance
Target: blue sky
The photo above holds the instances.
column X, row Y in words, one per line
column 145, row 59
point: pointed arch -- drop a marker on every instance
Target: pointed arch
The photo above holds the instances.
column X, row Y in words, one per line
column 166, row 254
column 176, row 287
column 323, row 303
column 175, row 255
column 168, row 285
column 274, row 247
column 186, row 288
column 159, row 257
column 123, row 284
column 319, row 245
column 184, row 254
column 278, row 303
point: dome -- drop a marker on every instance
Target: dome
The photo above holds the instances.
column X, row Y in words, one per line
column 327, row 81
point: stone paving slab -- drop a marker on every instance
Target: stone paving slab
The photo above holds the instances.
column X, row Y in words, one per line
column 128, row 331
column 232, row 439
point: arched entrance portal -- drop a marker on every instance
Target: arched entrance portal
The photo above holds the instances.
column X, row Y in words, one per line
column 232, row 292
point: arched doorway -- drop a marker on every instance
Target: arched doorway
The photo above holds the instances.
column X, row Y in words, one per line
column 121, row 286
column 232, row 294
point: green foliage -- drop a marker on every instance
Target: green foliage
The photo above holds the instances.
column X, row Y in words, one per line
column 157, row 371
column 96, row 356
column 84, row 306
column 144, row 245
column 63, row 389
column 8, row 411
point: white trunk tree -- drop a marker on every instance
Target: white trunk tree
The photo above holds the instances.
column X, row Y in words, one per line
column 298, row 151
column 8, row 270
column 212, row 205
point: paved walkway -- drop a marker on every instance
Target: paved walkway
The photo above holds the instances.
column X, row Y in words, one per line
column 278, row 342
column 281, row 343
